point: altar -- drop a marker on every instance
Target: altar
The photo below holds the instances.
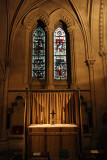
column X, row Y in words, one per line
column 54, row 139
column 53, row 124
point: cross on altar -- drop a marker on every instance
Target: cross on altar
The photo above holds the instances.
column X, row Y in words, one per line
column 53, row 116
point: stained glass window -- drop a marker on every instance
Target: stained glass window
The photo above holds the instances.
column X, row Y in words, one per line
column 38, row 61
column 60, row 60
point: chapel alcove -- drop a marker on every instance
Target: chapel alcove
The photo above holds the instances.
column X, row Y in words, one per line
column 52, row 117
column 47, row 134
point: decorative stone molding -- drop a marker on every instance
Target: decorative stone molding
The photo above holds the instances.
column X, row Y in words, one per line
column 61, row 15
column 90, row 62
column 49, row 28
column 103, row 40
column 101, row 28
column 66, row 20
column 103, row 54
column 70, row 29
column 33, row 16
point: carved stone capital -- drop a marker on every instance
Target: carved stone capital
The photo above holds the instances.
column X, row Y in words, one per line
column 27, row 27
column 101, row 28
column 30, row 19
column 90, row 62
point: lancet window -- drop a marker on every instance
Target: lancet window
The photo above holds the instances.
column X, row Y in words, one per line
column 60, row 59
column 38, row 60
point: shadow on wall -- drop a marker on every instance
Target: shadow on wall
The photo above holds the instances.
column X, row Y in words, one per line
column 103, row 135
column 15, row 117
column 103, row 139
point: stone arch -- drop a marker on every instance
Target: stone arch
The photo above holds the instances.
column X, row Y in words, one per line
column 23, row 17
column 30, row 20
column 61, row 15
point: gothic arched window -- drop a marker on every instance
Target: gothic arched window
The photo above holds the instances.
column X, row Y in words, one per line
column 38, row 60
column 60, row 59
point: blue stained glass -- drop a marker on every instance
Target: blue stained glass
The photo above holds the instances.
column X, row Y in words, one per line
column 38, row 60
column 60, row 63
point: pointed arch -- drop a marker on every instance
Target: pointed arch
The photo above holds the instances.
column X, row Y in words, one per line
column 30, row 20
column 21, row 18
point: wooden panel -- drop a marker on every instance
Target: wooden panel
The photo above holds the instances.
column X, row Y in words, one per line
column 53, row 140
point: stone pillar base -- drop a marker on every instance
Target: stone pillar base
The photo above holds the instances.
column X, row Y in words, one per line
column 4, row 145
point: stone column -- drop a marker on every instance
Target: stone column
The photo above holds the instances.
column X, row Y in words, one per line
column 90, row 63
column 104, row 63
column 50, row 57
column 72, row 58
column 27, row 75
column 4, row 140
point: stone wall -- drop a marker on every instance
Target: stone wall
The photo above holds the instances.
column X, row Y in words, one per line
column 18, row 20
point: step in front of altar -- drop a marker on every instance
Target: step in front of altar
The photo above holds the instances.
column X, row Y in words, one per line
column 54, row 139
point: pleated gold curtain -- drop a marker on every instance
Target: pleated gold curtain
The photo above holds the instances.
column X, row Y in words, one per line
column 43, row 103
